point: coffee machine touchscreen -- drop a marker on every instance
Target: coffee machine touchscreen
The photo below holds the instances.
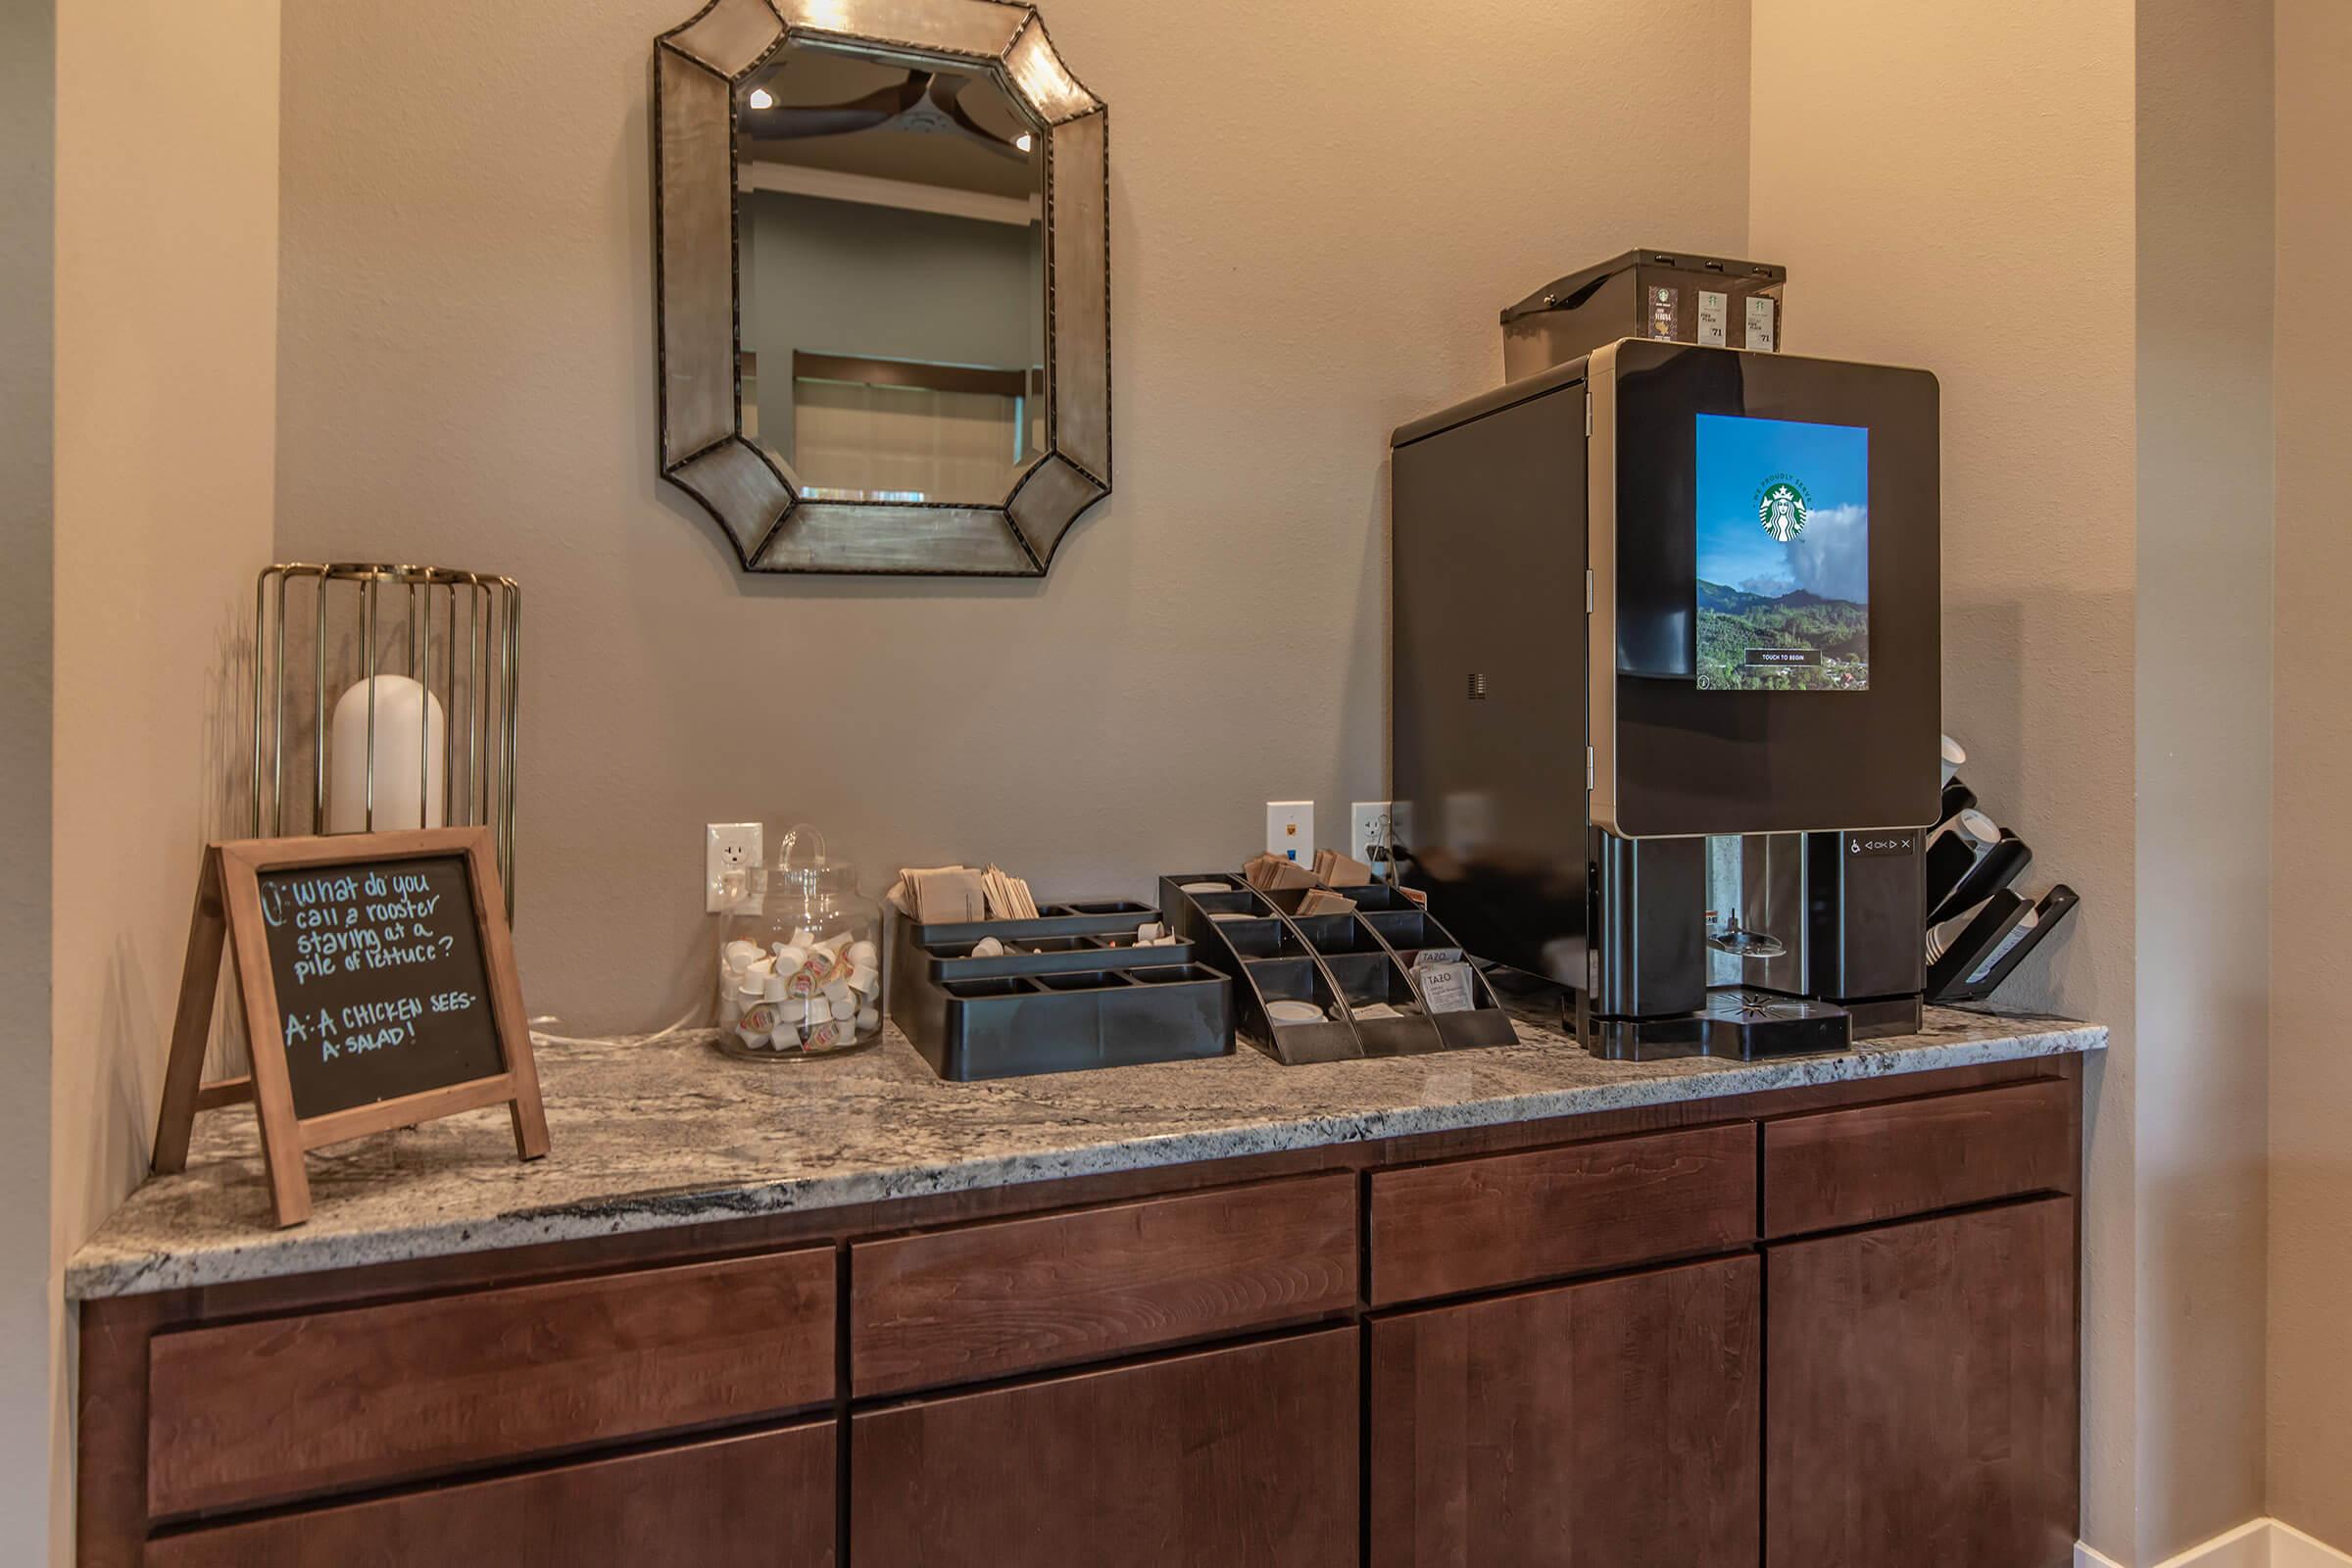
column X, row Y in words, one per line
column 1782, row 555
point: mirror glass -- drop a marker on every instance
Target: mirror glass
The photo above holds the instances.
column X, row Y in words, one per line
column 891, row 256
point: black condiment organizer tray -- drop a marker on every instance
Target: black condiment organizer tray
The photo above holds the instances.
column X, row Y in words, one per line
column 1083, row 995
column 1337, row 961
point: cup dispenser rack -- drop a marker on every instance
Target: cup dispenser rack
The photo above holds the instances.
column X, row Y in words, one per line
column 1978, row 928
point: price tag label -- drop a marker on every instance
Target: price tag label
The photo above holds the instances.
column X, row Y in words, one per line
column 1714, row 318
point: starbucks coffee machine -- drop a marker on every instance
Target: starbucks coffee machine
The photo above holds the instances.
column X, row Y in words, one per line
column 1666, row 689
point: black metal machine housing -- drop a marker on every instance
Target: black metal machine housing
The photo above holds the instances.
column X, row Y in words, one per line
column 1564, row 760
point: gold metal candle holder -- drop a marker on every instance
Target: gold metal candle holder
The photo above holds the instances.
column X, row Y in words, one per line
column 457, row 634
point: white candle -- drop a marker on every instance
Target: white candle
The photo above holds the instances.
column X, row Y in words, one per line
column 410, row 744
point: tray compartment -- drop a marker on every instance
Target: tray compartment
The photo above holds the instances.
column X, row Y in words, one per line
column 1081, row 980
column 1256, row 939
column 1336, row 934
column 1405, row 929
column 1485, row 1024
column 983, row 990
column 952, row 961
column 1331, row 1038
column 1241, row 900
column 1378, row 897
column 1097, row 919
column 1370, row 979
column 1063, row 1003
column 1170, row 974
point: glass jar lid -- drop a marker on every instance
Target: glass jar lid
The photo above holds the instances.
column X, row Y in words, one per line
column 802, row 865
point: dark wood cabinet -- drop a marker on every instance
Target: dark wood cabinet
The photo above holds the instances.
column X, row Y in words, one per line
column 1607, row 1425
column 1830, row 1326
column 1243, row 1457
column 1921, row 1393
column 764, row 1501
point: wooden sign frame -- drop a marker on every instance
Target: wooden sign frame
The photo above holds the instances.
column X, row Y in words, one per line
column 228, row 910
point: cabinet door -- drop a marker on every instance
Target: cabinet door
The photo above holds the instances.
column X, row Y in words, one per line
column 1234, row 1458
column 1607, row 1425
column 759, row 1501
column 1922, row 1404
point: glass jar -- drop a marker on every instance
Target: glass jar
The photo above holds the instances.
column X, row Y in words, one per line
column 800, row 960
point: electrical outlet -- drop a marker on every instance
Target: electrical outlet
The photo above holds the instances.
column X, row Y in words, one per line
column 728, row 846
column 1291, row 829
column 1374, row 827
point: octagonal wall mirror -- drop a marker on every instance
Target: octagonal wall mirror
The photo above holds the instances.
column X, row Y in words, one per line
column 882, row 237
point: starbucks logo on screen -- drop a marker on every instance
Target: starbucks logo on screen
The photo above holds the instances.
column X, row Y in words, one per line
column 1782, row 506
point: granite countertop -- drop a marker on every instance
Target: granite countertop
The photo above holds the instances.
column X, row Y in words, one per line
column 650, row 1134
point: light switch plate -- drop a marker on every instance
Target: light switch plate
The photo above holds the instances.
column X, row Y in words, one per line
column 1291, row 829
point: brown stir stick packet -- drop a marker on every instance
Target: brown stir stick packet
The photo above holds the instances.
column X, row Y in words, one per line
column 1337, row 870
column 1272, row 874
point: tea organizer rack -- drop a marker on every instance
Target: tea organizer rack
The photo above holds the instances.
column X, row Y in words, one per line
column 1340, row 966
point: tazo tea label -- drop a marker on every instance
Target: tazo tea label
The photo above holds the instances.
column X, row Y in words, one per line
column 1445, row 981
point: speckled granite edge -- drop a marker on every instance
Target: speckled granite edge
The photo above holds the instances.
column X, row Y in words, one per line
column 447, row 1192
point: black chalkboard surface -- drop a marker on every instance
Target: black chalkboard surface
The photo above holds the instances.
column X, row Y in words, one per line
column 381, row 980
column 377, row 977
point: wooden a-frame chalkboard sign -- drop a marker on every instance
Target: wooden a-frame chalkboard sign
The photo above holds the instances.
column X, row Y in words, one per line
column 379, row 984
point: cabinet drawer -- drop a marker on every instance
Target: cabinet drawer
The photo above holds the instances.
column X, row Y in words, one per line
column 1480, row 1224
column 988, row 1301
column 286, row 1407
column 1873, row 1162
column 1243, row 1457
column 762, row 1502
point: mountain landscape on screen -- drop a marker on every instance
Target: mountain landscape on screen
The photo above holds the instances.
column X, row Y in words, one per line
column 1732, row 620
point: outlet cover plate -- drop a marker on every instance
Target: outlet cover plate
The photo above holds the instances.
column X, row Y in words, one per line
column 1373, row 825
column 728, row 846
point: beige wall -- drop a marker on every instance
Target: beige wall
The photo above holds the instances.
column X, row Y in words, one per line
column 1951, row 186
column 2203, row 737
column 166, row 261
column 461, row 370
column 2311, row 1057
column 28, row 1310
column 1317, row 211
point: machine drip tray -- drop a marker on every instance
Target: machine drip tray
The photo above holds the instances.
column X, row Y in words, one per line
column 1745, row 1025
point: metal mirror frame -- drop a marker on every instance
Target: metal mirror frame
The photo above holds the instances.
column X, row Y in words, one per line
column 753, row 493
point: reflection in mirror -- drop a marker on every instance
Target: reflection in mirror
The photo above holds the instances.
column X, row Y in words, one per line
column 891, row 256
